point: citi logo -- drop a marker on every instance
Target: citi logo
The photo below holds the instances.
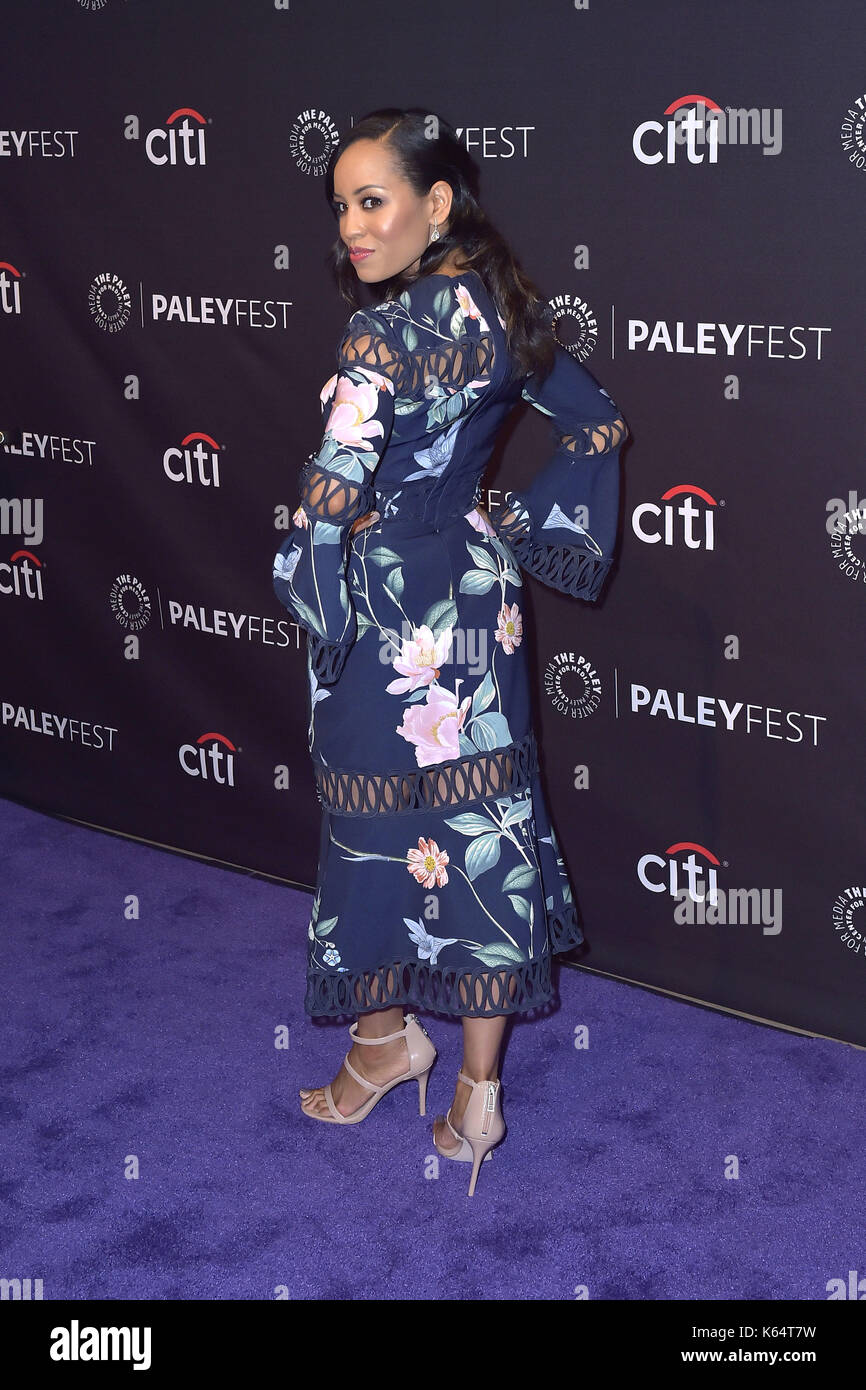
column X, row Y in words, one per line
column 660, row 873
column 21, row 575
column 10, row 288
column 689, row 523
column 211, row 757
column 179, row 142
column 695, row 121
column 196, row 461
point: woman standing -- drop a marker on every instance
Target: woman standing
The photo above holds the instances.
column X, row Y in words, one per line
column 440, row 883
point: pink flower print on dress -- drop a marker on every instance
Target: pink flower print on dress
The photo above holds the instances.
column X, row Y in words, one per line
column 427, row 863
column 510, row 629
column 352, row 420
column 327, row 390
column 420, row 659
column 480, row 522
column 470, row 308
column 435, row 727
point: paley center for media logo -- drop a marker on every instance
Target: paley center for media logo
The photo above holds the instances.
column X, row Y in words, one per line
column 843, row 526
column 110, row 302
column 848, row 910
column 130, row 602
column 853, row 133
column 312, row 139
column 579, row 321
column 696, row 126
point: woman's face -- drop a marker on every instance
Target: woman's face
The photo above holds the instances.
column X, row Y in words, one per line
column 379, row 212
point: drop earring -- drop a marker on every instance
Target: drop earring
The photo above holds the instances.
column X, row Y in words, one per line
column 434, row 235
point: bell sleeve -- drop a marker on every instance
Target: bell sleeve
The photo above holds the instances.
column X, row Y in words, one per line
column 562, row 527
column 335, row 485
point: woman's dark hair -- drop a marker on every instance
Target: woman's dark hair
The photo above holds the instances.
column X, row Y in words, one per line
column 424, row 149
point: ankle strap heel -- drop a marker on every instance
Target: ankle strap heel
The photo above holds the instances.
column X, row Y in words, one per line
column 483, row 1126
column 421, row 1056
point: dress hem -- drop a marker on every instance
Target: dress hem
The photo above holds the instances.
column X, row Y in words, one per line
column 436, row 989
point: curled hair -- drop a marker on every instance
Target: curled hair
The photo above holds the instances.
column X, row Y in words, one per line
column 424, row 149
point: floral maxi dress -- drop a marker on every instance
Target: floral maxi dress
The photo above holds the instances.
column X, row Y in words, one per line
column 440, row 883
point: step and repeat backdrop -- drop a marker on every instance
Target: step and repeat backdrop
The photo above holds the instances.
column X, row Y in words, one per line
column 686, row 183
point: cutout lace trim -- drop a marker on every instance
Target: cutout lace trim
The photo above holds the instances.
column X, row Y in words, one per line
column 567, row 568
column 327, row 659
column 360, row 348
column 416, row 372
column 451, row 991
column 596, row 438
column 452, row 365
column 329, row 497
column 570, row 569
column 458, row 782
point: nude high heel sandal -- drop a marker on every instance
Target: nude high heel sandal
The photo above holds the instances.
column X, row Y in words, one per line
column 483, row 1125
column 422, row 1055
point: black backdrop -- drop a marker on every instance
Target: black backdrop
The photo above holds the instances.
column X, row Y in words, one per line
column 167, row 323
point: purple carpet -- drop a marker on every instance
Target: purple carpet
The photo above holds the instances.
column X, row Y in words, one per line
column 147, row 1046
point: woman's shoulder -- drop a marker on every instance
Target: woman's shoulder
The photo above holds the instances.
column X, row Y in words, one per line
column 438, row 304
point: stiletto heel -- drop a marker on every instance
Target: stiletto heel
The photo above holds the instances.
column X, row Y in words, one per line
column 483, row 1126
column 422, row 1090
column 479, row 1149
column 422, row 1055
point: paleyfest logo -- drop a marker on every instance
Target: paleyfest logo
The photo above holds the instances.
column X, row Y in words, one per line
column 853, row 133
column 694, row 121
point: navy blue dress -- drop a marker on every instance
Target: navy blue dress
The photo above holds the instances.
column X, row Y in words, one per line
column 440, row 883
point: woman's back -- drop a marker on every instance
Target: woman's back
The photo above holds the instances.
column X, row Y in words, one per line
column 442, row 347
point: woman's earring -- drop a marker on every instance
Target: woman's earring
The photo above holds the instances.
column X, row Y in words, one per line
column 434, row 235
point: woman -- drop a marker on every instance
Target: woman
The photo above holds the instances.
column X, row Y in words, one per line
column 440, row 883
